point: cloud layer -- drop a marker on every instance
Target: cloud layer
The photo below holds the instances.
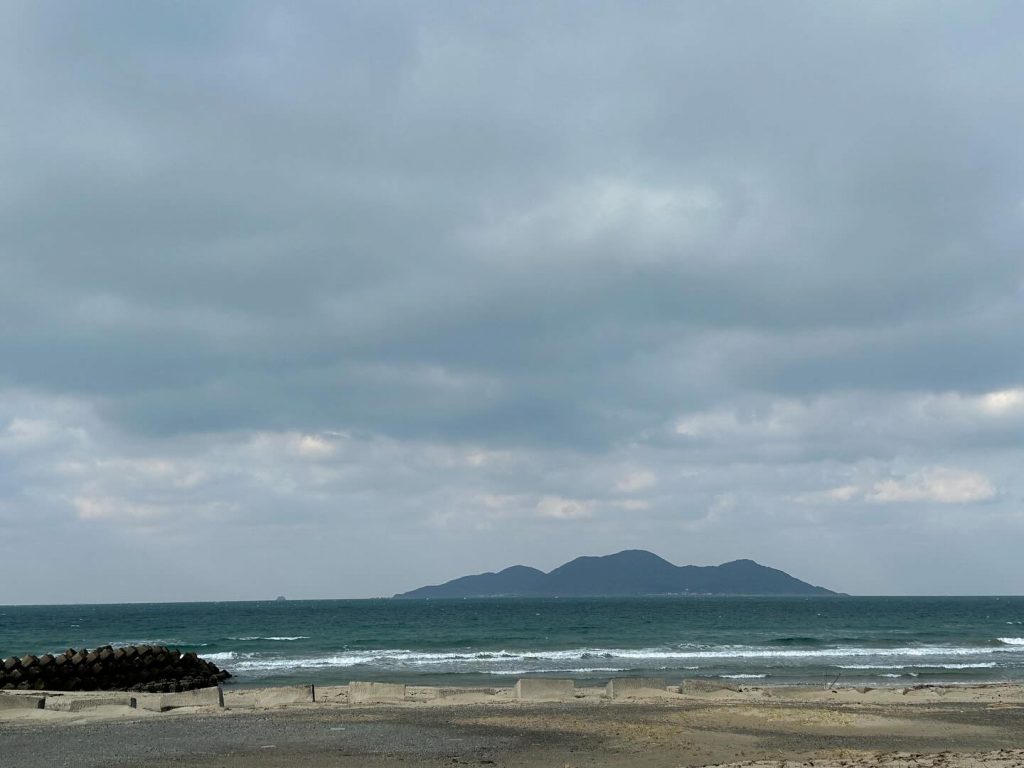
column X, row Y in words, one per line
column 342, row 299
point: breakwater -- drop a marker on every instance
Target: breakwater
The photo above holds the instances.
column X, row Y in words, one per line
column 143, row 668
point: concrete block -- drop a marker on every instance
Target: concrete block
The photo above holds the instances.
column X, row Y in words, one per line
column 449, row 691
column 200, row 697
column 16, row 701
column 620, row 687
column 544, row 689
column 78, row 703
column 379, row 693
column 271, row 697
column 149, row 701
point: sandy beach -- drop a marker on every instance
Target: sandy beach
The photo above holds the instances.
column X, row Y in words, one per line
column 763, row 727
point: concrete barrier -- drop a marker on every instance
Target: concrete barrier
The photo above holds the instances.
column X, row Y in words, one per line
column 445, row 692
column 544, row 689
column 78, row 703
column 200, row 697
column 620, row 687
column 15, row 701
column 375, row 693
column 270, row 697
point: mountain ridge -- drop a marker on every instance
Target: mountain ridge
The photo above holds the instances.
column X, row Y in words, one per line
column 631, row 572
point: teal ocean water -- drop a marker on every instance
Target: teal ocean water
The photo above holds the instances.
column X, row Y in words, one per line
column 866, row 641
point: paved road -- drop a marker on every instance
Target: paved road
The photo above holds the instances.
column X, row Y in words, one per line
column 307, row 738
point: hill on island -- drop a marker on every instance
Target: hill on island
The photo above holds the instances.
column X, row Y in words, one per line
column 631, row 572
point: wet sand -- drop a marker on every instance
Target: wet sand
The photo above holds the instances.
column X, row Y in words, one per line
column 762, row 727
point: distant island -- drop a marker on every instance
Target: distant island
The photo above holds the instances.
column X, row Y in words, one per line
column 633, row 572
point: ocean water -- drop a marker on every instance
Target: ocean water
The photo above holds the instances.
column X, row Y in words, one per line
column 775, row 641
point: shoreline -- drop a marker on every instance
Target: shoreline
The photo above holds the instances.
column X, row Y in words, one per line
column 739, row 682
column 950, row 726
column 48, row 706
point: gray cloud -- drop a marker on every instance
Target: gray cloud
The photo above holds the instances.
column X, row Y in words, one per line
column 537, row 279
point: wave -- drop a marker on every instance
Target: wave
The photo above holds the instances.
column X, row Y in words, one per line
column 584, row 670
column 227, row 656
column 575, row 660
column 170, row 643
column 743, row 677
column 958, row 666
column 1012, row 640
column 980, row 665
column 872, row 666
column 159, row 641
column 729, row 652
column 743, row 652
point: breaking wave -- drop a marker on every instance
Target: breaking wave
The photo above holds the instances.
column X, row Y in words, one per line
column 743, row 676
column 580, row 660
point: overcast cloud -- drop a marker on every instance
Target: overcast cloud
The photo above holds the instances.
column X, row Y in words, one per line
column 340, row 299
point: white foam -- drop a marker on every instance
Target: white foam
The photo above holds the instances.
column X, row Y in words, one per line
column 1012, row 640
column 251, row 663
column 575, row 660
column 552, row 671
column 226, row 656
column 905, row 674
column 872, row 666
column 979, row 665
column 753, row 652
column 743, row 677
column 297, row 637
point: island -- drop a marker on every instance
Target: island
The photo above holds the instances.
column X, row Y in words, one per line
column 632, row 572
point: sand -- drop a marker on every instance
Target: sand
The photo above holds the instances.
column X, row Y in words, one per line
column 955, row 727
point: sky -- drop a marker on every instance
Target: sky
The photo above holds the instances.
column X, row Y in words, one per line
column 340, row 299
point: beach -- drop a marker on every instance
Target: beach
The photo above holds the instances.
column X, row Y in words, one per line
column 743, row 726
column 840, row 681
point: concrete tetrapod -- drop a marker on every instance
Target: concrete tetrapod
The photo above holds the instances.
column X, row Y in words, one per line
column 142, row 668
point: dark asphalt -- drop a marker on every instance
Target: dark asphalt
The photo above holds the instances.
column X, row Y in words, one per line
column 307, row 737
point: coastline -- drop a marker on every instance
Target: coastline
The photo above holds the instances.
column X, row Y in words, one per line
column 772, row 642
column 969, row 726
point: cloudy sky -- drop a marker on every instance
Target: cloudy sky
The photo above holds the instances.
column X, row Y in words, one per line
column 338, row 299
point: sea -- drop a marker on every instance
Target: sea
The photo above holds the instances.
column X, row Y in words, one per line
column 861, row 641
